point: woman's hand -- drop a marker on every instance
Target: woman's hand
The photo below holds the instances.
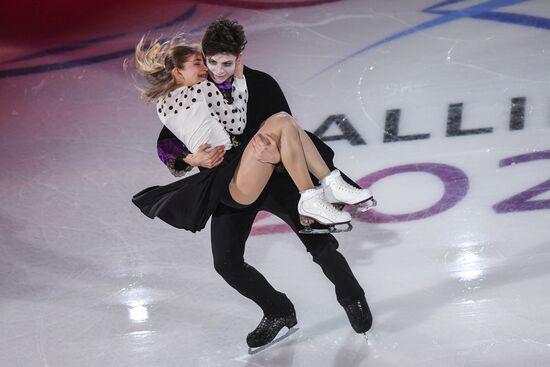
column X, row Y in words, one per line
column 202, row 158
column 239, row 67
column 265, row 148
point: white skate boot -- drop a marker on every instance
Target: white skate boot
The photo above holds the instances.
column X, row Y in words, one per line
column 313, row 206
column 339, row 192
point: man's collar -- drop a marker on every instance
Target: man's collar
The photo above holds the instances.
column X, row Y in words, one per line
column 224, row 85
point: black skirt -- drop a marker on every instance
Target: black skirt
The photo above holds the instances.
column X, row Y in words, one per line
column 189, row 202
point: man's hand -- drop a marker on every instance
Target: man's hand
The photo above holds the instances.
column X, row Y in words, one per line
column 239, row 67
column 202, row 158
column 265, row 148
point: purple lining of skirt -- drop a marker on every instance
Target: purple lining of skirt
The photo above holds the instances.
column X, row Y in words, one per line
column 170, row 148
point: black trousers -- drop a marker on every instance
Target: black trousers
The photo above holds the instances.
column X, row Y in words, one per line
column 231, row 227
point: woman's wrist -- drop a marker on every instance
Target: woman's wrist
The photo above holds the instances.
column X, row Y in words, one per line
column 189, row 159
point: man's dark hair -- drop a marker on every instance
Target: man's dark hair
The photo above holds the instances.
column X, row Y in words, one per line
column 224, row 36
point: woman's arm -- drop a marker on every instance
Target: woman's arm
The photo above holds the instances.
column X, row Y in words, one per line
column 232, row 116
column 172, row 153
column 179, row 160
column 239, row 90
column 206, row 157
column 188, row 113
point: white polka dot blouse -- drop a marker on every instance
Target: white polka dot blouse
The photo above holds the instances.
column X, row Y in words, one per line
column 199, row 114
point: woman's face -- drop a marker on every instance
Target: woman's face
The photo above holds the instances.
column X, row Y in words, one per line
column 221, row 66
column 192, row 71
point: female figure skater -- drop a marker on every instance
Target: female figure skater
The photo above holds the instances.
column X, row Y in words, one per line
column 196, row 112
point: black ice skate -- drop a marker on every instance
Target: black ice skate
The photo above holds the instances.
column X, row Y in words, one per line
column 269, row 327
column 359, row 315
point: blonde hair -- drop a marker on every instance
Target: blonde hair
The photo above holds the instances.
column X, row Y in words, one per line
column 156, row 61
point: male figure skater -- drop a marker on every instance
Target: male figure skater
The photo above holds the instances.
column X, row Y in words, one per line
column 223, row 42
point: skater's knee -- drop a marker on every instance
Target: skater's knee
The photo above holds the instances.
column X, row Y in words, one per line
column 325, row 251
column 282, row 115
column 228, row 267
column 282, row 120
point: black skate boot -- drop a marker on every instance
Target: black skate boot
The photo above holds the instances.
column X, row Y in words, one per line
column 269, row 327
column 359, row 315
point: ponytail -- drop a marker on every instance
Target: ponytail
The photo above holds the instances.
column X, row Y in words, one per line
column 155, row 63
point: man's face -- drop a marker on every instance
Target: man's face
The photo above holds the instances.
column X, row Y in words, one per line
column 221, row 66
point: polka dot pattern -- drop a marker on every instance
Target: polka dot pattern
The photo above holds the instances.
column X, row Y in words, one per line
column 187, row 108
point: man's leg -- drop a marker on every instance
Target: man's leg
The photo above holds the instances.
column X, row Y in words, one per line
column 281, row 200
column 230, row 229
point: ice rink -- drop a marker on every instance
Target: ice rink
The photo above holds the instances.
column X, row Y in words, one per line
column 442, row 108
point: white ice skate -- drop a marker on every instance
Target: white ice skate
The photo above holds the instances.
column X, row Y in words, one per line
column 339, row 192
column 313, row 206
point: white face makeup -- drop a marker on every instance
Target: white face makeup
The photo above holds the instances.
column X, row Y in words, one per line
column 221, row 66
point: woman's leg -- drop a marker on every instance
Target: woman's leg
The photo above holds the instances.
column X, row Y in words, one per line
column 336, row 189
column 315, row 162
column 252, row 175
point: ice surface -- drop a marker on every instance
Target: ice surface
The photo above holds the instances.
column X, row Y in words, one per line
column 455, row 261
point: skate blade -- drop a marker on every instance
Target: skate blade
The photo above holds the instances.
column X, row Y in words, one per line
column 292, row 330
column 364, row 206
column 308, row 221
column 359, row 207
column 329, row 229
